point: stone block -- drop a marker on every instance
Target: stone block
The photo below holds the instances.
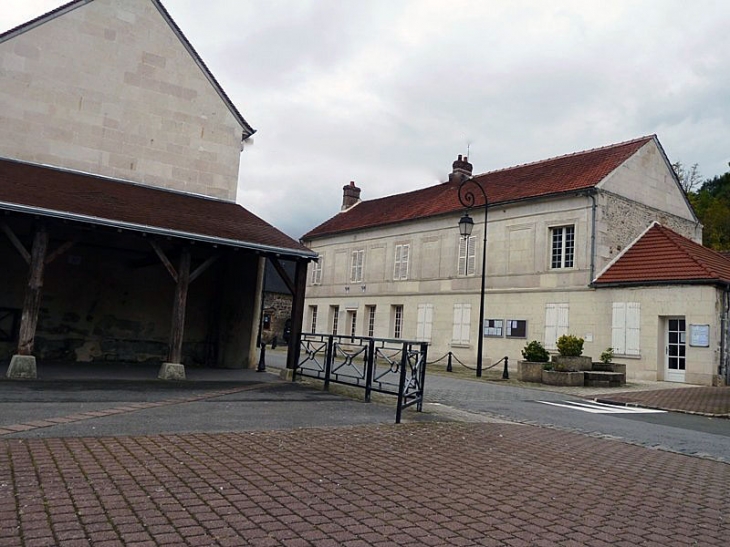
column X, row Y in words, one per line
column 528, row 371
column 22, row 367
column 171, row 371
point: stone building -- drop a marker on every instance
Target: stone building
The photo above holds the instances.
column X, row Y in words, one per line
column 121, row 238
column 397, row 266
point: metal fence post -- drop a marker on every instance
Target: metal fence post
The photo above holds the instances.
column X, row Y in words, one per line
column 505, row 372
column 328, row 361
column 424, row 355
column 449, row 368
column 402, row 382
column 369, row 369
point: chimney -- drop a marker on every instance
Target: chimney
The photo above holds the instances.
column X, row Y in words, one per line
column 350, row 195
column 461, row 169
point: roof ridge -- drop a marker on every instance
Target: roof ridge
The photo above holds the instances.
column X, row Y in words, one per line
column 571, row 154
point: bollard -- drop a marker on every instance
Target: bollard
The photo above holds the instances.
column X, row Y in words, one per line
column 262, row 359
column 449, row 368
column 505, row 372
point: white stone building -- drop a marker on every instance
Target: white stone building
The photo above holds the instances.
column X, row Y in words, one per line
column 397, row 267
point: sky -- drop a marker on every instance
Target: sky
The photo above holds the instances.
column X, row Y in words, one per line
column 387, row 93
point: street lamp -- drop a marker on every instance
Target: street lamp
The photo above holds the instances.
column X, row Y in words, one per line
column 466, row 225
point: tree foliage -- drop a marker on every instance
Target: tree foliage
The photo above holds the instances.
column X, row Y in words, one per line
column 711, row 203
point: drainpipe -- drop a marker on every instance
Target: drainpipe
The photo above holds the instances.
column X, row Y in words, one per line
column 724, row 356
column 592, row 195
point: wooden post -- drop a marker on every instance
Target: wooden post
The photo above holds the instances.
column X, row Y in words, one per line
column 32, row 302
column 297, row 314
column 177, row 328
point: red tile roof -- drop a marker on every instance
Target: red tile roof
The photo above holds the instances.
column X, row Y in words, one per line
column 563, row 174
column 663, row 256
column 53, row 192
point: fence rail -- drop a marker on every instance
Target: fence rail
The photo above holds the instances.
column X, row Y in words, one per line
column 383, row 365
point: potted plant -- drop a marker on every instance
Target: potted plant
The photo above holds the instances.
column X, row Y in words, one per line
column 570, row 354
column 534, row 358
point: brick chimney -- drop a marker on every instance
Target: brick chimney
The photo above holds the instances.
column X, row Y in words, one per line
column 350, row 195
column 461, row 169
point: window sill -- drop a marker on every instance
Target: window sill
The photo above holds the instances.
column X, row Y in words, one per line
column 453, row 345
column 622, row 356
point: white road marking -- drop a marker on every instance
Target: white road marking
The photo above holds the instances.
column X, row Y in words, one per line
column 602, row 408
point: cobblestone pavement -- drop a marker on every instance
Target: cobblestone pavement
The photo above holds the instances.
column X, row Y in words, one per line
column 407, row 485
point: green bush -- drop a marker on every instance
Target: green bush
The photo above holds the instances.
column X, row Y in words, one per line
column 607, row 356
column 535, row 352
column 570, row 345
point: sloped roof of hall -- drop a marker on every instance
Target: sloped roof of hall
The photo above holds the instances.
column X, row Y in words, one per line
column 92, row 199
column 74, row 4
column 554, row 176
column 662, row 256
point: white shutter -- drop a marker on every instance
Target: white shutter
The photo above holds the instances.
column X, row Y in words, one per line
column 465, row 323
column 404, row 262
column 463, row 243
column 428, row 323
column 397, row 261
column 618, row 328
column 471, row 256
column 353, row 267
column 633, row 328
column 563, row 323
column 462, row 320
column 420, row 322
column 551, row 325
column 456, row 332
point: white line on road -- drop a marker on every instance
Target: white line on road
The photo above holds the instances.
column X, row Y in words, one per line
column 601, row 408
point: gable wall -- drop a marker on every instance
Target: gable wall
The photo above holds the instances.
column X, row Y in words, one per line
column 108, row 88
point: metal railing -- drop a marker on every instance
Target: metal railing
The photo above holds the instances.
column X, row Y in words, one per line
column 381, row 365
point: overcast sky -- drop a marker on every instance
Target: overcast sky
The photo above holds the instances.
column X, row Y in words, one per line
column 388, row 92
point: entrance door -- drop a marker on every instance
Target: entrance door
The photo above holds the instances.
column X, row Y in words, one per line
column 675, row 349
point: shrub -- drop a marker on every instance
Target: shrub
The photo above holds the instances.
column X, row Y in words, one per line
column 535, row 352
column 607, row 356
column 570, row 345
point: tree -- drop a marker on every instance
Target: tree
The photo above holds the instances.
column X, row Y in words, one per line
column 689, row 177
column 712, row 206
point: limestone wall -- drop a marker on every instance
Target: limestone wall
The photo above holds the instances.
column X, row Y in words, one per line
column 108, row 88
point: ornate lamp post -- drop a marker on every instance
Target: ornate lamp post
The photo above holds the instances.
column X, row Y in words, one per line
column 466, row 225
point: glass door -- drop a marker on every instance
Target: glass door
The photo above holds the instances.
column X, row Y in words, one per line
column 675, row 350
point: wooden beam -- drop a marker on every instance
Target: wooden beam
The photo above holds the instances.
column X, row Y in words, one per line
column 16, row 242
column 297, row 314
column 164, row 260
column 204, row 266
column 60, row 250
column 32, row 302
column 283, row 274
column 177, row 329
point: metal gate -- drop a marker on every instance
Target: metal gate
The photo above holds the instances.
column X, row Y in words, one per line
column 391, row 366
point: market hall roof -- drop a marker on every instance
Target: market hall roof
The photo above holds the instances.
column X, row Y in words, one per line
column 563, row 174
column 60, row 193
column 662, row 256
column 248, row 131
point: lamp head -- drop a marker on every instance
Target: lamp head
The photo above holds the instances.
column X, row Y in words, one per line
column 466, row 225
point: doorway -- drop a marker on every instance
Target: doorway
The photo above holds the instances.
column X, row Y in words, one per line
column 675, row 349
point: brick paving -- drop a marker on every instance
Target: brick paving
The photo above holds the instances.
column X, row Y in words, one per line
column 408, row 485
column 707, row 401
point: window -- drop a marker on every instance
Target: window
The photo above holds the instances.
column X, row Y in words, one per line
column 516, row 328
column 397, row 321
column 317, row 271
column 352, row 322
column 400, row 267
column 467, row 255
column 371, row 320
column 625, row 328
column 493, row 327
column 462, row 324
column 424, row 324
column 563, row 247
column 335, row 310
column 313, row 318
column 358, row 257
column 267, row 321
column 556, row 323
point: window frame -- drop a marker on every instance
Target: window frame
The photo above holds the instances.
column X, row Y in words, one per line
column 313, row 318
column 398, row 321
column 562, row 255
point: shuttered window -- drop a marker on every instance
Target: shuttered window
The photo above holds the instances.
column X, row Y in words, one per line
column 425, row 322
column 400, row 265
column 317, row 271
column 556, row 323
column 467, row 255
column 625, row 328
column 462, row 324
column 356, row 266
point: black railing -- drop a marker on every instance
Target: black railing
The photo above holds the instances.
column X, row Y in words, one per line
column 389, row 366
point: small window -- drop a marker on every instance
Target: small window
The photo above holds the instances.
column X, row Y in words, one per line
column 563, row 247
column 335, row 318
column 313, row 318
column 316, row 278
column 397, row 321
column 467, row 256
column 352, row 322
column 493, row 327
column 516, row 328
column 400, row 266
column 371, row 320
column 356, row 265
column 267, row 321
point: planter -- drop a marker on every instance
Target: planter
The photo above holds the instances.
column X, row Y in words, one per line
column 580, row 362
column 529, row 371
column 610, row 367
column 557, row 378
